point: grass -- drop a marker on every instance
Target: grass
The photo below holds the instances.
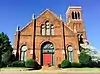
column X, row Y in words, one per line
column 14, row 68
column 83, row 69
column 66, row 69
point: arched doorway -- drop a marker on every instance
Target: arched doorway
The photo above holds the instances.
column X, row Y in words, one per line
column 23, row 53
column 47, row 53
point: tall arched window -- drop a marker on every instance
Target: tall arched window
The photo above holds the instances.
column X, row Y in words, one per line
column 70, row 53
column 43, row 29
column 52, row 29
column 47, row 28
column 78, row 14
column 73, row 17
column 80, row 38
column 23, row 53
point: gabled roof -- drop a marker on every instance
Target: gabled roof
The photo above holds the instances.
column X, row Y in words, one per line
column 50, row 12
column 41, row 15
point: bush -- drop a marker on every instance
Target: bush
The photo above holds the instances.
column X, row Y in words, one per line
column 84, row 58
column 65, row 64
column 99, row 64
column 2, row 65
column 17, row 64
column 75, row 64
column 93, row 64
column 30, row 63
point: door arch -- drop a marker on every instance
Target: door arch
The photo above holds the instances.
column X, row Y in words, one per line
column 47, row 53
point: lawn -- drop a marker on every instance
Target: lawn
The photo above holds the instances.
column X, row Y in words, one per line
column 66, row 69
column 14, row 68
column 82, row 69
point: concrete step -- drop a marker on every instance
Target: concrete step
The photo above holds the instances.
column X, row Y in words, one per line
column 50, row 68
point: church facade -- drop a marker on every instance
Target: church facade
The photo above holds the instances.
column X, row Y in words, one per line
column 50, row 40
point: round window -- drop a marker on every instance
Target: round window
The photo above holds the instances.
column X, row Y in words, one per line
column 24, row 48
column 70, row 48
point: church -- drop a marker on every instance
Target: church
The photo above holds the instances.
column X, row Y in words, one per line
column 49, row 40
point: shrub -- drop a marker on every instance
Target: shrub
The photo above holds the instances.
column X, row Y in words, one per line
column 93, row 64
column 17, row 64
column 30, row 63
column 65, row 64
column 99, row 64
column 84, row 58
column 2, row 65
column 75, row 64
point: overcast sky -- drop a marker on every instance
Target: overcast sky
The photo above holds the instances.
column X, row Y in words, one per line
column 19, row 12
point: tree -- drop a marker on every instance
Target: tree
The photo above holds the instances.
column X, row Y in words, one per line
column 5, row 48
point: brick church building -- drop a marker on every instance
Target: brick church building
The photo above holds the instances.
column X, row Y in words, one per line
column 50, row 40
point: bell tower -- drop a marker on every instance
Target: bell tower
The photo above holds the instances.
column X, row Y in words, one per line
column 74, row 20
column 74, row 13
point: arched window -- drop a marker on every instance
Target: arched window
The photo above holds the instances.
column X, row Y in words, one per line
column 23, row 53
column 70, row 53
column 52, row 29
column 43, row 29
column 78, row 15
column 80, row 38
column 47, row 28
column 73, row 15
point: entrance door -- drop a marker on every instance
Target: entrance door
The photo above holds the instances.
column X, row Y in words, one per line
column 47, row 52
column 47, row 59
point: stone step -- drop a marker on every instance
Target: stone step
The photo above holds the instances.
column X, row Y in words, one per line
column 49, row 68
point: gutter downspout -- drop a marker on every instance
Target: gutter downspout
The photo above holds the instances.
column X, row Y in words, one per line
column 64, row 40
column 34, row 32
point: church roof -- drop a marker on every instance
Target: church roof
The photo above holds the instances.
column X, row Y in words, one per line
column 50, row 12
column 47, row 10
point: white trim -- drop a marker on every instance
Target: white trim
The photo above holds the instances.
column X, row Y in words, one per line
column 25, row 26
column 72, row 7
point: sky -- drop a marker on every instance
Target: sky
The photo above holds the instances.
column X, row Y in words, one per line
column 19, row 12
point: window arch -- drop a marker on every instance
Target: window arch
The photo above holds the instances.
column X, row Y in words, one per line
column 52, row 29
column 70, row 53
column 47, row 28
column 80, row 38
column 78, row 15
column 43, row 29
column 73, row 15
column 23, row 53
